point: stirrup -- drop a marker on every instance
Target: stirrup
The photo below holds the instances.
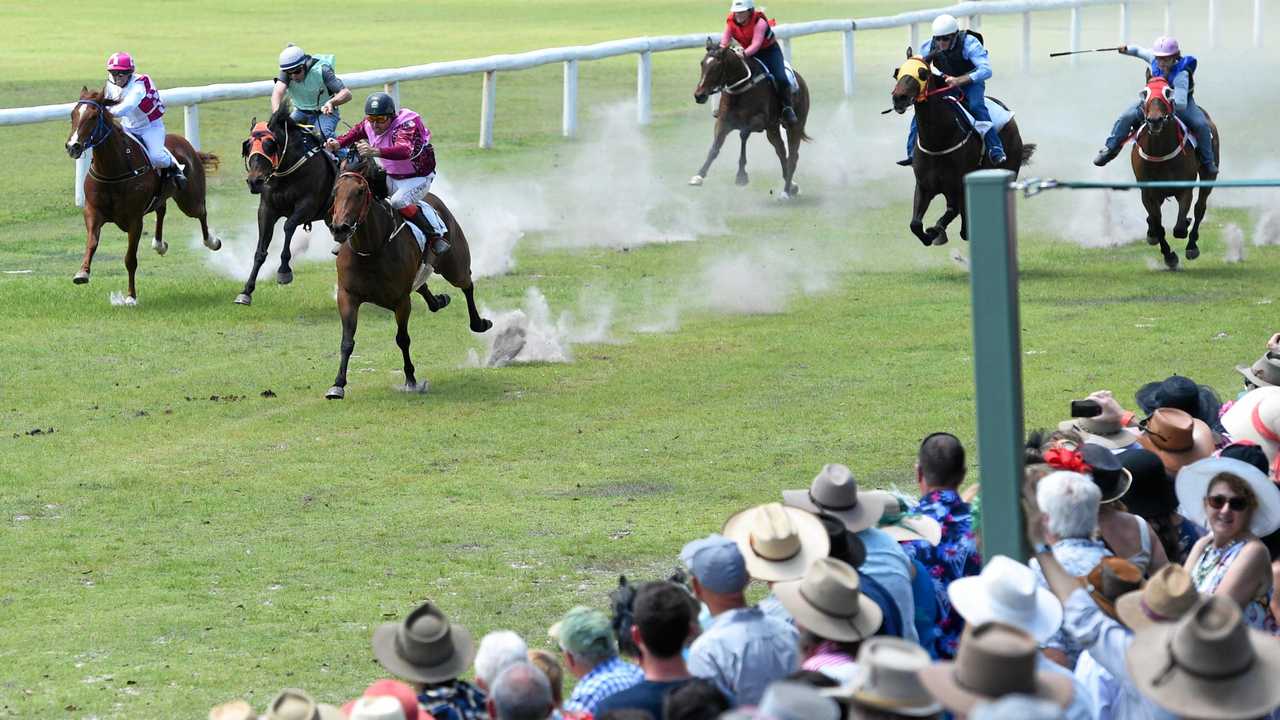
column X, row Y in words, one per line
column 439, row 245
column 907, row 162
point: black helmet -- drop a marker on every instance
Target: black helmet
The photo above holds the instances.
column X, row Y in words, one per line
column 380, row 103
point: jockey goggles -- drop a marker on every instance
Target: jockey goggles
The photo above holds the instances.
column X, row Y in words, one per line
column 379, row 118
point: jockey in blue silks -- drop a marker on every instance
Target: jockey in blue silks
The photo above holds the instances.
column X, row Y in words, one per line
column 1167, row 61
column 964, row 64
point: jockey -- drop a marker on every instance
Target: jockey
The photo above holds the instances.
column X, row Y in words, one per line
column 964, row 64
column 140, row 111
column 1166, row 61
column 402, row 143
column 312, row 87
column 751, row 29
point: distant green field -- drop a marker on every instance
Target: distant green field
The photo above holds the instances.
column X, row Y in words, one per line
column 174, row 536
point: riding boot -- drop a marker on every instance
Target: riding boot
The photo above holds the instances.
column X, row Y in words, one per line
column 788, row 112
column 178, row 176
column 435, row 245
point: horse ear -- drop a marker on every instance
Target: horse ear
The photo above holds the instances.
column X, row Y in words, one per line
column 84, row 90
column 252, row 124
column 711, row 44
column 895, row 73
column 910, row 52
column 244, row 149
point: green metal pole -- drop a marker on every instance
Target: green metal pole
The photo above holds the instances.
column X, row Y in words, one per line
column 997, row 358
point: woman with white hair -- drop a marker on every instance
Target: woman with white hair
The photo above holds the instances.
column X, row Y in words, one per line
column 1068, row 503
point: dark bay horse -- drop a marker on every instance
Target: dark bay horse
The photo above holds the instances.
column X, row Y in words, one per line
column 749, row 104
column 286, row 166
column 380, row 261
column 947, row 148
column 1163, row 153
column 122, row 187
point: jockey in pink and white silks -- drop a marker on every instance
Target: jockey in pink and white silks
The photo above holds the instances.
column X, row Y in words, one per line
column 141, row 111
column 402, row 144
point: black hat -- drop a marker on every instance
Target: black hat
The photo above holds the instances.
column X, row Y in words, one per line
column 1176, row 391
column 845, row 545
column 1151, row 494
column 1107, row 472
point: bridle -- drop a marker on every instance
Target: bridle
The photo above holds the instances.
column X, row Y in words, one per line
column 737, row 87
column 102, row 130
column 102, row 127
column 260, row 134
column 363, row 214
column 1164, row 98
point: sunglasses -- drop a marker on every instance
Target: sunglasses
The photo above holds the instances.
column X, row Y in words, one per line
column 379, row 118
column 119, row 73
column 1238, row 504
column 296, row 71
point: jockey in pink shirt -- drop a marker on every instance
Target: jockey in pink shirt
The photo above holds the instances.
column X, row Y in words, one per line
column 402, row 144
column 754, row 34
column 138, row 106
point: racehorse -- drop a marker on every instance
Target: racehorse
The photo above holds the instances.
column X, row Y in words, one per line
column 122, row 187
column 749, row 104
column 1163, row 154
column 947, row 147
column 380, row 262
column 287, row 167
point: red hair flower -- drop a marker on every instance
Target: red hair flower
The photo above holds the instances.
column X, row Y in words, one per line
column 1063, row 459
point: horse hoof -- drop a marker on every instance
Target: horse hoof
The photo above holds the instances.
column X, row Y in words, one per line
column 1193, row 252
column 1180, row 232
column 284, row 278
column 244, row 299
column 442, row 302
column 482, row 326
column 941, row 238
column 795, row 190
column 1171, row 261
column 81, row 278
column 696, row 180
column 741, row 180
column 161, row 247
column 784, row 195
column 130, row 301
column 213, row 242
column 335, row 393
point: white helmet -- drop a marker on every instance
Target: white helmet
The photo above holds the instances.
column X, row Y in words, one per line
column 291, row 57
column 740, row 5
column 944, row 25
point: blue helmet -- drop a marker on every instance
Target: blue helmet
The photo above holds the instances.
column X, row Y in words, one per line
column 380, row 103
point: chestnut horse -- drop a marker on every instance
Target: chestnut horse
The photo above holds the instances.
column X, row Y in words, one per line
column 380, row 262
column 122, row 187
column 1163, row 153
column 286, row 166
column 749, row 104
column 947, row 148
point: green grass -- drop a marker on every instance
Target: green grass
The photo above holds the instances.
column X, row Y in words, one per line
column 163, row 550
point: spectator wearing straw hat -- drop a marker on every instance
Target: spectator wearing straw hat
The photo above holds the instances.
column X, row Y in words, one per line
column 1109, row 428
column 743, row 650
column 835, row 491
column 1264, row 372
column 888, row 685
column 832, row 615
column 1177, row 438
column 590, row 654
column 431, row 653
column 297, row 705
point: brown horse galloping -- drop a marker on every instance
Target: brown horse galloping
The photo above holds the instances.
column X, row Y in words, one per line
column 749, row 104
column 1161, row 153
column 947, row 148
column 380, row 262
column 122, row 187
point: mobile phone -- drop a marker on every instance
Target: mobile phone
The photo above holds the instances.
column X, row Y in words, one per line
column 1085, row 408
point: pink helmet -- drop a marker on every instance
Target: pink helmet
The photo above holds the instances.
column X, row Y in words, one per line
column 1165, row 46
column 120, row 61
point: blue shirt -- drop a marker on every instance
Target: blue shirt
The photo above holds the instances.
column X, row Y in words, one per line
column 458, row 700
column 611, row 676
column 955, row 556
column 1077, row 556
column 743, row 651
column 973, row 51
column 889, row 565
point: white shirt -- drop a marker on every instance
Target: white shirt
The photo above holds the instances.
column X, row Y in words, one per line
column 127, row 99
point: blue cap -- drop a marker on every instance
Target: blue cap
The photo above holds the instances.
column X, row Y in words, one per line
column 717, row 563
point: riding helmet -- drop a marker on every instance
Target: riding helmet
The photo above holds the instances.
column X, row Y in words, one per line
column 291, row 57
column 945, row 25
column 379, row 103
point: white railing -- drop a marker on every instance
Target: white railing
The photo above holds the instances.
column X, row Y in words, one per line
column 190, row 98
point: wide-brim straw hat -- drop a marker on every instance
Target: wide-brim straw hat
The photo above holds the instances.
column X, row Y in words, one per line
column 828, row 601
column 294, row 704
column 425, row 647
column 1193, row 484
column 903, row 526
column 994, row 660
column 1109, row 580
column 889, row 679
column 1111, row 435
column 1006, row 591
column 1177, row 438
column 1167, row 596
column 1207, row 665
column 777, row 543
column 1256, row 416
column 835, row 492
column 1265, row 372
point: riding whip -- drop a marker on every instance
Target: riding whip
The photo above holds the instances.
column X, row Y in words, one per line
column 1079, row 52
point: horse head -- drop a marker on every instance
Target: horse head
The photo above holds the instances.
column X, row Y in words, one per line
column 90, row 122
column 1157, row 104
column 716, row 66
column 912, row 85
column 261, row 153
column 360, row 183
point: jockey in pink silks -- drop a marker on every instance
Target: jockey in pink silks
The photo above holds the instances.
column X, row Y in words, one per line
column 141, row 111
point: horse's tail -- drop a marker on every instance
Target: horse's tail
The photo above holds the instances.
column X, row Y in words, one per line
column 209, row 161
column 1027, row 151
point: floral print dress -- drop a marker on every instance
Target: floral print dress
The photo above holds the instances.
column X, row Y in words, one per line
column 1212, row 567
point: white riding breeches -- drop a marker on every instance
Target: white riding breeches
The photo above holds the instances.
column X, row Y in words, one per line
column 152, row 136
column 405, row 191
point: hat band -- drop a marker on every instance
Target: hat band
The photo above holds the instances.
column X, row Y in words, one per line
column 784, row 558
column 430, row 653
column 1261, row 427
column 1173, row 663
column 825, row 506
column 839, row 613
column 1000, row 689
column 1152, row 614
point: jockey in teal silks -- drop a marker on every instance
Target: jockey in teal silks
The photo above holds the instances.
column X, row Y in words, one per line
column 312, row 87
column 1167, row 61
column 964, row 64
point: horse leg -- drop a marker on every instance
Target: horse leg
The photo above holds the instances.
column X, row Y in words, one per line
column 919, row 206
column 93, row 226
column 793, row 158
column 742, row 178
column 722, row 131
column 266, row 226
column 435, row 303
column 1155, row 228
column 955, row 206
column 348, row 309
column 402, row 339
column 1202, row 204
column 131, row 261
column 157, row 243
column 775, row 139
column 1183, row 222
column 284, row 275
column 478, row 324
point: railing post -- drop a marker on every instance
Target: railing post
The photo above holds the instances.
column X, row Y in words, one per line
column 914, row 37
column 191, row 124
column 393, row 89
column 644, row 87
column 997, row 357
column 82, row 171
column 488, row 98
column 569, row 117
column 786, row 49
column 975, row 22
column 1075, row 34
column 1213, row 24
column 1168, row 17
column 1257, row 23
column 1026, row 42
column 848, row 63
column 1125, row 22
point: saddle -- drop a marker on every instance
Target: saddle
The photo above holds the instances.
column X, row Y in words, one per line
column 165, row 187
column 791, row 73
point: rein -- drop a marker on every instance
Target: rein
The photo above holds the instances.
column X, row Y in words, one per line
column 256, row 138
column 1142, row 153
column 364, row 209
column 102, row 130
column 968, row 134
column 737, row 87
